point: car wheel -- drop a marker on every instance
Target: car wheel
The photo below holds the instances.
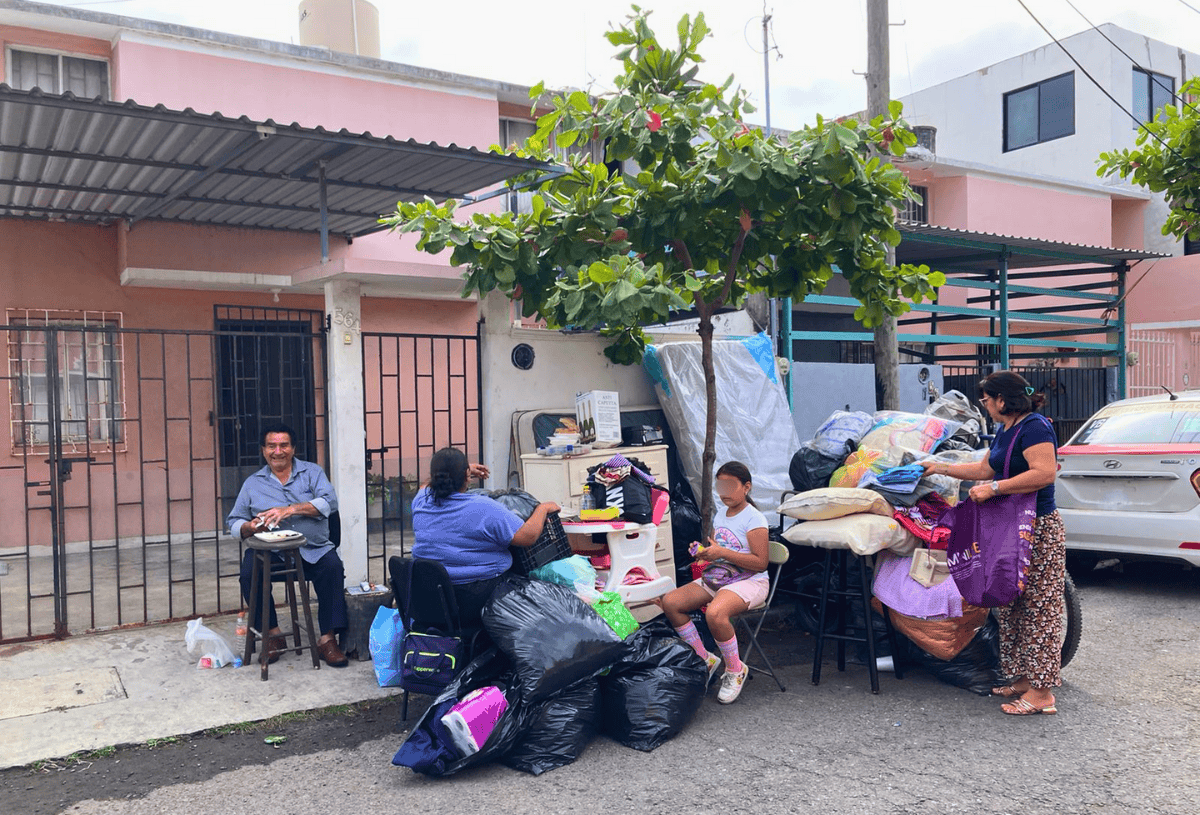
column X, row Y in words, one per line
column 1072, row 620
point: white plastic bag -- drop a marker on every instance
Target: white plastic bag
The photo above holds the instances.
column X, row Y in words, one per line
column 897, row 432
column 214, row 651
column 841, row 427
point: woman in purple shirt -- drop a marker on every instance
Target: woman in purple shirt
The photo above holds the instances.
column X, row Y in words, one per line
column 467, row 533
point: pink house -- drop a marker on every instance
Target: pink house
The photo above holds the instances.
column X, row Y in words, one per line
column 152, row 322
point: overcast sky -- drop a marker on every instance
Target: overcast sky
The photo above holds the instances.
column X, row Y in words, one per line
column 820, row 43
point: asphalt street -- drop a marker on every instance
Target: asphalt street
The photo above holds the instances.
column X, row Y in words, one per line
column 1125, row 741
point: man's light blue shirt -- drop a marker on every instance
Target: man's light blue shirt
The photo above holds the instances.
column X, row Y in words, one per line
column 307, row 483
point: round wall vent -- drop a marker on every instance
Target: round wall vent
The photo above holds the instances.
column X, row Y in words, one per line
column 522, row 356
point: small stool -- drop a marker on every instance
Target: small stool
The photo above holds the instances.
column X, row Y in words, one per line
column 261, row 574
column 837, row 569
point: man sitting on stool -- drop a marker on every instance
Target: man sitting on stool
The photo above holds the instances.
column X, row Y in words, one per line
column 292, row 494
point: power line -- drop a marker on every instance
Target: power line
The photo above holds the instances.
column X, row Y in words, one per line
column 1092, row 79
column 1153, row 76
column 1189, row 5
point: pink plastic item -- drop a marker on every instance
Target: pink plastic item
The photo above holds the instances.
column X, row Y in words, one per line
column 473, row 719
column 661, row 502
column 638, row 575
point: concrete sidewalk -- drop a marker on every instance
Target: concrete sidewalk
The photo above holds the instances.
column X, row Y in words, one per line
column 131, row 685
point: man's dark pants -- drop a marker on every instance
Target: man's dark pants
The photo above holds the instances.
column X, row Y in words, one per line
column 328, row 579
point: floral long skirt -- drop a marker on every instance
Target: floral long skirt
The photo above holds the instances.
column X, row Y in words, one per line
column 1031, row 626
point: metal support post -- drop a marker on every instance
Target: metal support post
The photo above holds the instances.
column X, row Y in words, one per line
column 1004, row 310
column 323, row 197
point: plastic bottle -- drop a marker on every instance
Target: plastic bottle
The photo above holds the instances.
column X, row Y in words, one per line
column 586, row 501
column 240, row 629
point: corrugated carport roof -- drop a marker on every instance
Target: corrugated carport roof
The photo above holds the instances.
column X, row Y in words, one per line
column 961, row 250
column 93, row 161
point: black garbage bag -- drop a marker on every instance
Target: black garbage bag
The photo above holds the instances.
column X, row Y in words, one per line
column 553, row 639
column 428, row 749
column 653, row 692
column 976, row 667
column 558, row 729
column 811, row 470
column 519, row 502
column 685, row 528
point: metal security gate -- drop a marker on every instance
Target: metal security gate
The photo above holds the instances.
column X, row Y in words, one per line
column 1072, row 394
column 1154, row 364
column 119, row 476
column 421, row 392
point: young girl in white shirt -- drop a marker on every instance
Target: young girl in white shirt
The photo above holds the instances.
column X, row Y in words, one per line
column 734, row 578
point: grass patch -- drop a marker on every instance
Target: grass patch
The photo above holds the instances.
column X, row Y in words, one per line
column 163, row 742
column 283, row 719
column 73, row 761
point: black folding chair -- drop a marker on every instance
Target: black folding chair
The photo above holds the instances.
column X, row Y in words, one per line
column 425, row 597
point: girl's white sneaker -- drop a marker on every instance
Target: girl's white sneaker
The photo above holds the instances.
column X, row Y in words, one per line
column 731, row 685
column 713, row 661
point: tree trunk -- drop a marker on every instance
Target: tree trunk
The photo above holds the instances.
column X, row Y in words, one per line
column 705, row 330
column 887, row 359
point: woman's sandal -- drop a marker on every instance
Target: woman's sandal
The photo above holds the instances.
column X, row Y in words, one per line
column 1021, row 707
column 1008, row 692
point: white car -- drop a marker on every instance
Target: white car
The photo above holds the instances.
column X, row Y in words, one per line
column 1129, row 480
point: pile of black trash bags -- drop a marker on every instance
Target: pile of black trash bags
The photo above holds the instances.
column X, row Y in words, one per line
column 566, row 676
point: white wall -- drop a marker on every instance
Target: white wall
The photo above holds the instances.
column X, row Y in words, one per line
column 820, row 388
column 563, row 365
column 968, row 111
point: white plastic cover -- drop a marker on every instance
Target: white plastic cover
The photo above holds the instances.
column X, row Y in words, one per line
column 754, row 421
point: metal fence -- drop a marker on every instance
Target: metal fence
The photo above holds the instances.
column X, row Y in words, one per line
column 1072, row 394
column 127, row 448
column 421, row 392
column 1155, row 362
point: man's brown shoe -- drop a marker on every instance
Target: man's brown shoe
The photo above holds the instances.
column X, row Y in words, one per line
column 332, row 655
column 275, row 646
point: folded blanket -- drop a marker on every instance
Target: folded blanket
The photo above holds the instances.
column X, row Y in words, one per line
column 895, row 479
column 896, row 589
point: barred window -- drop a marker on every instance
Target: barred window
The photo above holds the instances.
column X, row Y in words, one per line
column 58, row 73
column 916, row 212
column 80, row 351
column 515, row 132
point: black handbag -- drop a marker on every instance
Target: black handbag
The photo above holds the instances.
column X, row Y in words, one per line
column 637, row 499
column 429, row 661
column 634, row 495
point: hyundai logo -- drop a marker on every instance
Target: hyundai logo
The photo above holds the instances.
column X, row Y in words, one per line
column 1112, row 464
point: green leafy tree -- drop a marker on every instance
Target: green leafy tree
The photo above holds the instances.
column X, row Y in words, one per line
column 1166, row 159
column 705, row 211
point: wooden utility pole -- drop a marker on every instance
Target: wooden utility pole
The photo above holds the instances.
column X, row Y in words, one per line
column 887, row 350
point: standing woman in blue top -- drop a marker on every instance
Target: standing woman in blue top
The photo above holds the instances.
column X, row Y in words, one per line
column 1031, row 625
column 467, row 533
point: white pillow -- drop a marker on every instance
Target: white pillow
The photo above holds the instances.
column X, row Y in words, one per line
column 834, row 502
column 863, row 534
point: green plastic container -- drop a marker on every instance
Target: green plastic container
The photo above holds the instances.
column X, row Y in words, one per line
column 612, row 610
